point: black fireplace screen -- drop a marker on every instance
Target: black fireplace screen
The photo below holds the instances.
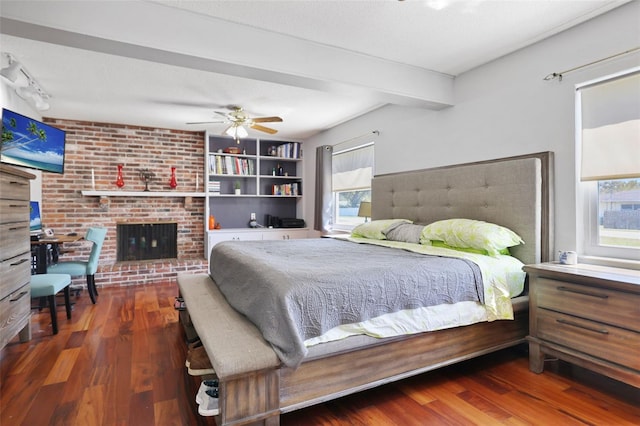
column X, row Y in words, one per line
column 146, row 241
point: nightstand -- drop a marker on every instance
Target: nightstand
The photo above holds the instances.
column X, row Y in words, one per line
column 588, row 315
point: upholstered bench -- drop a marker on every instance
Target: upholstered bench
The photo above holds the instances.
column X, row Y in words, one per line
column 235, row 346
column 47, row 286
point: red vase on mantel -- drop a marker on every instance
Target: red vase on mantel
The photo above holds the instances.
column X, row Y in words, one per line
column 173, row 183
column 119, row 178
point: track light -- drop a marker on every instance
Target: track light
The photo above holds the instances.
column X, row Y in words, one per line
column 26, row 92
column 11, row 72
column 24, row 84
column 41, row 104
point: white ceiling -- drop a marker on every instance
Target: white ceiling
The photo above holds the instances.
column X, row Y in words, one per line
column 313, row 63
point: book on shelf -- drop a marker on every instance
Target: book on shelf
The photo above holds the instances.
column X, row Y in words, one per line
column 286, row 189
column 214, row 187
column 289, row 150
column 231, row 165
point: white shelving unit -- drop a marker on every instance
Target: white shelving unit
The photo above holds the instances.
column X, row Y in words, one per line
column 270, row 185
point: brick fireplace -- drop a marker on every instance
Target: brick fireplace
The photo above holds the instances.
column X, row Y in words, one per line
column 99, row 148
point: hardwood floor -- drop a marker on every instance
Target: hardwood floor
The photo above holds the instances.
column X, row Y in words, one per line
column 121, row 362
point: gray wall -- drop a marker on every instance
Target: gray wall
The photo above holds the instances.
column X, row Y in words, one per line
column 503, row 108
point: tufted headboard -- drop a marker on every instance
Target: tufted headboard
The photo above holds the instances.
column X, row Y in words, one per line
column 515, row 192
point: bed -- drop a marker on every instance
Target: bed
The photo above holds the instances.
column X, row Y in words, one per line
column 256, row 386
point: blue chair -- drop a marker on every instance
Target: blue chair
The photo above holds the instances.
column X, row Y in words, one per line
column 45, row 287
column 89, row 267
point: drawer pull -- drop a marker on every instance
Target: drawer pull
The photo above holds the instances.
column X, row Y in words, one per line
column 15, row 182
column 19, row 262
column 19, row 296
column 584, row 293
column 574, row 324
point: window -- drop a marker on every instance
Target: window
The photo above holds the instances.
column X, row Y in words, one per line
column 608, row 142
column 351, row 173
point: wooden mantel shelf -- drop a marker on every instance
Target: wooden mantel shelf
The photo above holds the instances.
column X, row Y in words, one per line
column 88, row 193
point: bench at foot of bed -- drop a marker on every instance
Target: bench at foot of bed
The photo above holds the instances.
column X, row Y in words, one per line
column 246, row 366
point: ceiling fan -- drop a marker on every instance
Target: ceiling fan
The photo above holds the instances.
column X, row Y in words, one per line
column 238, row 121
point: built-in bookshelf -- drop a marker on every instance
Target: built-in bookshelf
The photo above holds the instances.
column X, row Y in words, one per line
column 257, row 176
column 261, row 168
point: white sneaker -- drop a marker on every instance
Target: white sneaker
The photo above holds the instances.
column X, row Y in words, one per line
column 204, row 386
column 209, row 406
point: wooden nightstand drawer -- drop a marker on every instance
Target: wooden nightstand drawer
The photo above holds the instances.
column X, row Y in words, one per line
column 14, row 187
column 14, row 313
column 600, row 340
column 14, row 210
column 598, row 304
column 15, row 239
column 15, row 273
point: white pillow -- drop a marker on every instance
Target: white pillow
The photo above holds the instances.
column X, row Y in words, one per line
column 374, row 229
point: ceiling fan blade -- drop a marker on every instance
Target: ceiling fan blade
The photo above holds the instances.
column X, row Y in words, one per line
column 224, row 114
column 207, row 122
column 264, row 129
column 266, row 119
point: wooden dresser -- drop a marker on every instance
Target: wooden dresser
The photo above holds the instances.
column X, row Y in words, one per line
column 15, row 255
column 587, row 315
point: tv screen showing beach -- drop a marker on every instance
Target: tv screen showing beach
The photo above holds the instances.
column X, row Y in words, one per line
column 35, row 221
column 30, row 143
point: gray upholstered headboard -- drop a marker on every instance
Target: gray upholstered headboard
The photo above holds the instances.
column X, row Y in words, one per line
column 515, row 192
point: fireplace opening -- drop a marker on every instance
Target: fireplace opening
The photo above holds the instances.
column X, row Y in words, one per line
column 146, row 241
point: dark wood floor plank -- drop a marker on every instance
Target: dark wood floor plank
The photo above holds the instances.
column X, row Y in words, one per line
column 141, row 409
column 121, row 362
column 167, row 413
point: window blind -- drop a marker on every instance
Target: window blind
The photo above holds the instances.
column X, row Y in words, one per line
column 353, row 169
column 610, row 121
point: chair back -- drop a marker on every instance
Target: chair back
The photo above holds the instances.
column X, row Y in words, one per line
column 96, row 236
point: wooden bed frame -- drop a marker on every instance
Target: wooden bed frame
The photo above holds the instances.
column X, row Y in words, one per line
column 255, row 388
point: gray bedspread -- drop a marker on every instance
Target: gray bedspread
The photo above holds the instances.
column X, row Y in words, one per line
column 298, row 289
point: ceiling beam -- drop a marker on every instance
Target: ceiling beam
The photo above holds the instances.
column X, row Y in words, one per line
column 158, row 33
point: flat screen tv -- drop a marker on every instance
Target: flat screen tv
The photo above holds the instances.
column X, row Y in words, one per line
column 29, row 143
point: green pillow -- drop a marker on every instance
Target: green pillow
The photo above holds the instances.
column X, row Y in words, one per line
column 374, row 229
column 468, row 233
column 437, row 243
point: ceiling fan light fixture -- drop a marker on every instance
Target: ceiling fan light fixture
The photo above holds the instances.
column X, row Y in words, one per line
column 230, row 131
column 236, row 131
column 241, row 132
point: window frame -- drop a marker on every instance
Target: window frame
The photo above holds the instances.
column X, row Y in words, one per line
column 342, row 226
column 587, row 201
